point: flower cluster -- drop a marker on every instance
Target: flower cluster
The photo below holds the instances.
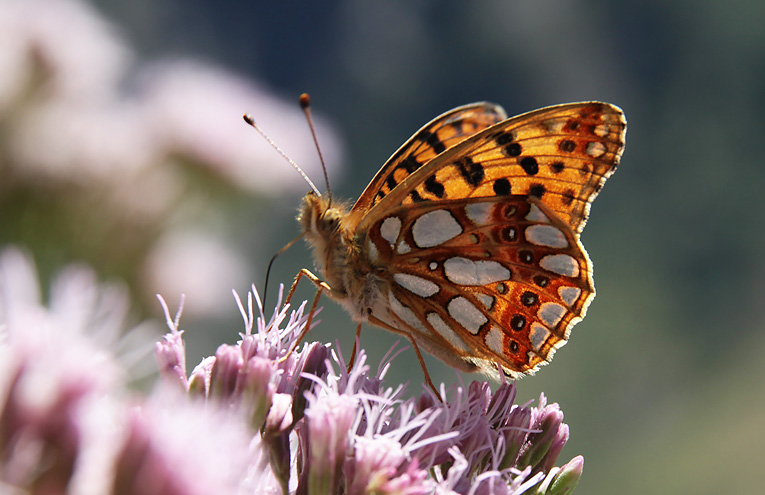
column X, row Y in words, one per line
column 350, row 434
column 69, row 423
column 263, row 416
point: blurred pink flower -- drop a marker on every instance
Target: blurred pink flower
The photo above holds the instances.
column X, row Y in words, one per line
column 174, row 446
column 68, row 424
column 63, row 45
column 189, row 106
column 121, row 177
column 199, row 265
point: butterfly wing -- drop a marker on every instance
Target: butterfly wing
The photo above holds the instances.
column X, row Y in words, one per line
column 479, row 247
column 478, row 282
column 561, row 155
column 433, row 138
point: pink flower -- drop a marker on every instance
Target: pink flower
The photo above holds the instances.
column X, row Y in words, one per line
column 264, row 415
column 68, row 423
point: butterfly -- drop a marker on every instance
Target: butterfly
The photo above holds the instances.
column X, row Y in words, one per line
column 467, row 239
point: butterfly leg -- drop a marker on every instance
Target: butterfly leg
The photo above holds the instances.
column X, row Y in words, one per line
column 355, row 343
column 310, row 276
column 424, row 368
column 323, row 287
column 380, row 323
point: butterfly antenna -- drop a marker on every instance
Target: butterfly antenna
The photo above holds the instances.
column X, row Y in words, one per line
column 248, row 118
column 305, row 104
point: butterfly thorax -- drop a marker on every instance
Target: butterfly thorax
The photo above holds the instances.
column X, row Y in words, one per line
column 338, row 255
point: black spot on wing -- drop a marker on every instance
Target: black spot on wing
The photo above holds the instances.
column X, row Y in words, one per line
column 410, row 164
column 432, row 140
column 537, row 190
column 434, row 187
column 416, row 197
column 528, row 298
column 567, row 145
column 513, row 149
column 529, row 165
column 502, row 187
column 472, row 172
column 517, row 322
column 568, row 196
column 390, row 181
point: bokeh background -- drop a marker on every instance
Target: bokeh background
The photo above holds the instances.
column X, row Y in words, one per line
column 122, row 146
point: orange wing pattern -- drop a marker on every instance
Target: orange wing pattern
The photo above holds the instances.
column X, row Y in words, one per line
column 467, row 240
column 561, row 155
column 497, row 280
column 479, row 240
column 433, row 138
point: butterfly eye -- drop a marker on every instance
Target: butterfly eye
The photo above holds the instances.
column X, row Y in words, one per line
column 329, row 222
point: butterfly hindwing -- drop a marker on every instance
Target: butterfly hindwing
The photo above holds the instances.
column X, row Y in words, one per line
column 496, row 280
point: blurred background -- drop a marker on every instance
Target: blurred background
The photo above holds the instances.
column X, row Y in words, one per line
column 122, row 146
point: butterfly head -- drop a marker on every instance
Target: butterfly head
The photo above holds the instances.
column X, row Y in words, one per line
column 324, row 229
column 318, row 218
column 322, row 224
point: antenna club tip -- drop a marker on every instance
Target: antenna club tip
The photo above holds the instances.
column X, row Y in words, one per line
column 248, row 118
column 305, row 101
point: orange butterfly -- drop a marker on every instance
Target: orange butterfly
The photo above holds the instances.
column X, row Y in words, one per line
column 467, row 239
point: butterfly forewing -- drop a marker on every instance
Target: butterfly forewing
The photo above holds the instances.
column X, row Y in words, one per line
column 497, row 280
column 560, row 154
column 433, row 138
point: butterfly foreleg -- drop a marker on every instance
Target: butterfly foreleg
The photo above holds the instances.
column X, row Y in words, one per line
column 322, row 287
column 310, row 276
